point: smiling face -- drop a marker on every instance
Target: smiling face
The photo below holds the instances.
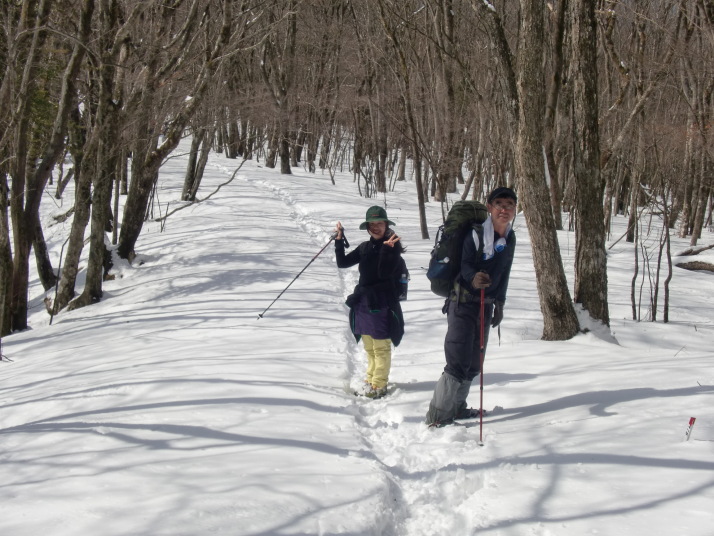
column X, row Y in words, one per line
column 502, row 211
column 376, row 229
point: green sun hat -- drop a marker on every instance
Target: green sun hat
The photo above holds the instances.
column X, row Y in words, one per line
column 375, row 213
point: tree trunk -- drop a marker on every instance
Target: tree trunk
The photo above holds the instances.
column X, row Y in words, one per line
column 5, row 259
column 379, row 130
column 243, row 138
column 635, row 187
column 30, row 181
column 251, row 139
column 25, row 199
column 233, row 137
column 402, row 166
column 284, row 148
column 559, row 319
column 278, row 71
column 446, row 112
column 524, row 103
column 98, row 261
column 590, row 255
column 702, row 192
column 83, row 164
column 551, row 109
column 406, row 97
column 62, row 183
column 201, row 164
column 272, row 154
column 46, row 273
column 107, row 160
column 689, row 177
column 22, row 237
column 190, row 177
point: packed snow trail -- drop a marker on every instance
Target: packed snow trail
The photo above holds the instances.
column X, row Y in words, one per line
column 426, row 469
column 404, row 448
column 170, row 409
column 417, row 461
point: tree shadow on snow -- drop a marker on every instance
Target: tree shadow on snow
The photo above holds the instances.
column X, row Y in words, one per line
column 599, row 401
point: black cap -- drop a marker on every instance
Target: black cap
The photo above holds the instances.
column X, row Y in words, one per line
column 502, row 192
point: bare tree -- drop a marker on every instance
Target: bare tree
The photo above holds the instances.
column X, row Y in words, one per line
column 403, row 77
column 93, row 132
column 277, row 66
column 447, row 109
column 23, row 195
column 149, row 154
column 198, row 158
column 31, row 176
column 524, row 102
column 557, row 33
column 409, row 81
column 590, row 258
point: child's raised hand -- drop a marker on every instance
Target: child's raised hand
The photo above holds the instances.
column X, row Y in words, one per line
column 392, row 240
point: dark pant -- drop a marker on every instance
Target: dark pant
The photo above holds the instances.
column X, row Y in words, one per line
column 462, row 345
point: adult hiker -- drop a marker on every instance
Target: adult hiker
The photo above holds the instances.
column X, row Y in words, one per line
column 485, row 264
column 375, row 313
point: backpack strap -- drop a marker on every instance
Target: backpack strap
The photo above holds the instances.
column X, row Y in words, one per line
column 478, row 227
column 459, row 292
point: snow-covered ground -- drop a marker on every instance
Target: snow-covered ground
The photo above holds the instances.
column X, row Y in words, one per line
column 170, row 408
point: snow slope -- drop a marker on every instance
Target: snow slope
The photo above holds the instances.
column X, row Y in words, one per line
column 170, row 408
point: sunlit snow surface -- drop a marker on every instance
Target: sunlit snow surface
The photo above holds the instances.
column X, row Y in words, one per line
column 170, row 408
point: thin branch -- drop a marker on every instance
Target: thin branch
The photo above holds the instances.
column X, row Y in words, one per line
column 174, row 211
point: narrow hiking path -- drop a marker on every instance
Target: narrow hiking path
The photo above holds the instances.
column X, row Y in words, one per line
column 172, row 394
column 194, row 392
column 417, row 462
column 551, row 428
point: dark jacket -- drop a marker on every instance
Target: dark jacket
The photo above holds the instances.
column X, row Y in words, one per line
column 498, row 267
column 378, row 275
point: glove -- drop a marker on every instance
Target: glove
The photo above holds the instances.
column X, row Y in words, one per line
column 497, row 314
column 481, row 280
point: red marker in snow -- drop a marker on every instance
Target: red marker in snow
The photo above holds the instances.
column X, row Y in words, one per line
column 688, row 433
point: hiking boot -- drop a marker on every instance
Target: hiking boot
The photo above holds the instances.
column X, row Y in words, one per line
column 376, row 392
column 468, row 413
column 441, row 424
column 364, row 389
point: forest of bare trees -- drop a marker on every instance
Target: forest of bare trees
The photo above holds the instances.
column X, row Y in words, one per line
column 589, row 108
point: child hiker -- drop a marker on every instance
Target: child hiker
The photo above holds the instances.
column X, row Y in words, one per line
column 375, row 313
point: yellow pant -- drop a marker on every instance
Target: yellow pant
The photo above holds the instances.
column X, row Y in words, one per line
column 379, row 360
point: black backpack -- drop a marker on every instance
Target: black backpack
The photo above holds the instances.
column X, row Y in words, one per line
column 445, row 261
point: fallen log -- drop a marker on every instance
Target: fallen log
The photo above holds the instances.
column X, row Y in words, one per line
column 694, row 251
column 697, row 266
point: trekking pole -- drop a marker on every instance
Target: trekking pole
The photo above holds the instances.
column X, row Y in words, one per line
column 260, row 315
column 483, row 351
